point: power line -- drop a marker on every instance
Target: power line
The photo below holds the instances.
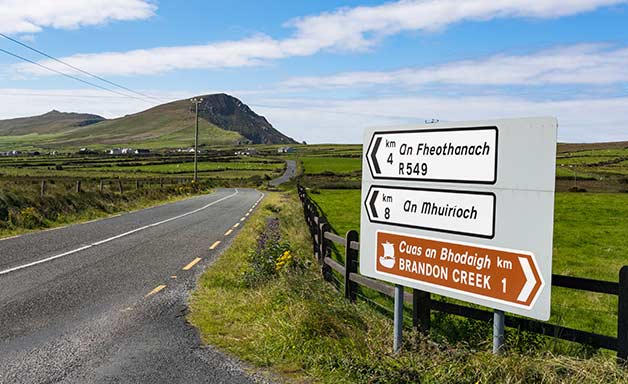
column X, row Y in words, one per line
column 68, row 75
column 76, row 68
column 76, row 96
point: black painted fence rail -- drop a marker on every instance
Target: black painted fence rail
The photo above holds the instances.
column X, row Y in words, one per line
column 422, row 302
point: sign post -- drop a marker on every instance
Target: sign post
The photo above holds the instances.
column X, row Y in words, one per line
column 398, row 318
column 498, row 331
column 464, row 210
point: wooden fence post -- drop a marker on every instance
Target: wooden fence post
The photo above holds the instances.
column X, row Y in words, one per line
column 316, row 237
column 101, row 186
column 309, row 214
column 78, row 186
column 120, row 186
column 351, row 265
column 137, row 184
column 421, row 308
column 161, row 183
column 323, row 226
column 622, row 317
column 42, row 189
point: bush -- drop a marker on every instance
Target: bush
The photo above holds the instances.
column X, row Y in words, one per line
column 270, row 256
column 22, row 207
column 272, row 208
column 26, row 218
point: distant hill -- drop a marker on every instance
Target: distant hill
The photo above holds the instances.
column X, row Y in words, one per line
column 223, row 119
column 51, row 122
column 575, row 147
column 229, row 113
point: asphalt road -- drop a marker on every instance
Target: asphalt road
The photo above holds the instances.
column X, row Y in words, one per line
column 291, row 171
column 105, row 302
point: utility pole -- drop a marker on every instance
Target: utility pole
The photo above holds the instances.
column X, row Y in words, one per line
column 196, row 101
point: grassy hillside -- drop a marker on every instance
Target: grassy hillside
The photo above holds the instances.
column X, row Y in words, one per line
column 231, row 114
column 48, row 123
column 167, row 125
column 223, row 120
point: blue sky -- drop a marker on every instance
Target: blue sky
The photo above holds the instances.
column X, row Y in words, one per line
column 322, row 71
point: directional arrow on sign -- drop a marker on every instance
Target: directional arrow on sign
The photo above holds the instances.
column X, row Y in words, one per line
column 530, row 277
column 373, row 155
column 372, row 203
column 531, row 280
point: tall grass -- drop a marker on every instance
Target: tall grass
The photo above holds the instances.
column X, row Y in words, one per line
column 22, row 208
column 299, row 326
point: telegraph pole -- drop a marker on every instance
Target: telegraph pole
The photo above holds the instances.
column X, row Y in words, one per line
column 196, row 101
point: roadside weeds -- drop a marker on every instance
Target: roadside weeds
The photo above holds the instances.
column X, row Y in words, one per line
column 298, row 326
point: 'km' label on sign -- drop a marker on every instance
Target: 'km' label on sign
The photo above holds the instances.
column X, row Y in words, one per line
column 495, row 274
column 452, row 155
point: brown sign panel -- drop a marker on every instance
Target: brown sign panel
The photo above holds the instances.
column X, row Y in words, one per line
column 492, row 273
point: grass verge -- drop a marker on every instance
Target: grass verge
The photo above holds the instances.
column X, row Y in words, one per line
column 22, row 210
column 298, row 326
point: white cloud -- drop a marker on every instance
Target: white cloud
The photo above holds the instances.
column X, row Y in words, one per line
column 360, row 27
column 351, row 29
column 19, row 16
column 158, row 60
column 320, row 121
column 578, row 64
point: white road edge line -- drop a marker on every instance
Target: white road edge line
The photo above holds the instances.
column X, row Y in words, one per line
column 115, row 237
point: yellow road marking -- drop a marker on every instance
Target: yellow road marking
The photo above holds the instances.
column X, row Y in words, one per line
column 215, row 245
column 192, row 263
column 157, row 289
column 228, row 232
column 236, row 225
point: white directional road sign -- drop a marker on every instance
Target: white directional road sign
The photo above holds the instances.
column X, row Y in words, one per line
column 463, row 210
column 454, row 155
column 467, row 213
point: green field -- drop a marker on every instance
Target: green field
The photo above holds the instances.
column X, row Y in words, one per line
column 104, row 166
column 601, row 167
column 589, row 241
column 113, row 183
column 338, row 165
